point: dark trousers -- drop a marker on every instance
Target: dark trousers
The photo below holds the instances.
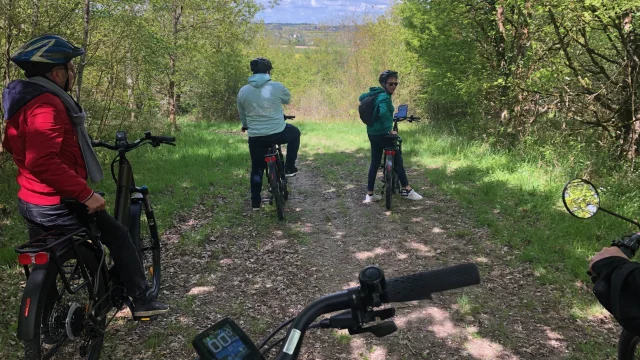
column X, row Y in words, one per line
column 378, row 143
column 41, row 219
column 258, row 146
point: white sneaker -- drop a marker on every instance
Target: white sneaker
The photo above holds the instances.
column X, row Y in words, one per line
column 371, row 198
column 410, row 194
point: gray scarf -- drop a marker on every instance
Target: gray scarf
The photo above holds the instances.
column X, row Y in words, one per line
column 78, row 117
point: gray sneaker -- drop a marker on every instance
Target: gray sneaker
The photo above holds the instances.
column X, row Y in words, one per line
column 150, row 308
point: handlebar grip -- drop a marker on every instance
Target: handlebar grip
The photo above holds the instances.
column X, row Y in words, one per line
column 627, row 251
column 166, row 138
column 289, row 117
column 421, row 285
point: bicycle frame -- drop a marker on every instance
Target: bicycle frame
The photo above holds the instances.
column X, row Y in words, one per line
column 390, row 152
column 275, row 162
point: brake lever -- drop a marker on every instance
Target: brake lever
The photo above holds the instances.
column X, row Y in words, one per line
column 379, row 330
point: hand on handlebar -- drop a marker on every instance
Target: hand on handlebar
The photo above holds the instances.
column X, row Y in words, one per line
column 95, row 203
column 244, row 129
column 605, row 253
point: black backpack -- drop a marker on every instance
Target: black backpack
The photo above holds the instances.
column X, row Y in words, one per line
column 367, row 109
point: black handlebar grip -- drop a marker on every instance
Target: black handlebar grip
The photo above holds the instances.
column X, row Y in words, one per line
column 627, row 251
column 289, row 117
column 421, row 285
column 166, row 138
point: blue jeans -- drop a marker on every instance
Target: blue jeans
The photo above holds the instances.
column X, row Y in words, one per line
column 378, row 143
column 258, row 146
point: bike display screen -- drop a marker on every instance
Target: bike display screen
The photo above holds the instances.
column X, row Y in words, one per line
column 225, row 341
column 402, row 111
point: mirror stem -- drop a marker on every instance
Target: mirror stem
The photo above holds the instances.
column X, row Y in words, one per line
column 621, row 217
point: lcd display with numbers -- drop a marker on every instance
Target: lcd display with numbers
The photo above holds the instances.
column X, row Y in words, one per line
column 225, row 341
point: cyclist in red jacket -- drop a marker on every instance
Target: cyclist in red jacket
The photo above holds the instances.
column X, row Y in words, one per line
column 46, row 136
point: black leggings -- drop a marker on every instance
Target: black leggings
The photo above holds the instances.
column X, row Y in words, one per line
column 378, row 143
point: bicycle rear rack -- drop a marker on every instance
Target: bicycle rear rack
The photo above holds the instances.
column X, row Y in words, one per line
column 55, row 242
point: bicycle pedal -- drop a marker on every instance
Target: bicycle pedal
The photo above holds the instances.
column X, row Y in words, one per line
column 145, row 318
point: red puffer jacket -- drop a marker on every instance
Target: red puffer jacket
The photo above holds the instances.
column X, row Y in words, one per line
column 43, row 143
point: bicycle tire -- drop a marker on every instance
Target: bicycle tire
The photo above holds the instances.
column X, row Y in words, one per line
column 388, row 182
column 628, row 346
column 285, row 189
column 274, row 183
column 283, row 177
column 33, row 348
column 144, row 234
column 152, row 246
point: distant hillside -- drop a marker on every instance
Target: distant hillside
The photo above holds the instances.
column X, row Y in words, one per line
column 303, row 34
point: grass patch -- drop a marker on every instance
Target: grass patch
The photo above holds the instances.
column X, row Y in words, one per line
column 155, row 340
column 343, row 339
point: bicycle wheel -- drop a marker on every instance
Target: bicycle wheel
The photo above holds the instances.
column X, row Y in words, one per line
column 628, row 346
column 274, row 183
column 388, row 181
column 150, row 251
column 63, row 329
column 284, row 190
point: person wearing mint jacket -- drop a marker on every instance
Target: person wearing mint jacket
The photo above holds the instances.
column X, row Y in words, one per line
column 260, row 109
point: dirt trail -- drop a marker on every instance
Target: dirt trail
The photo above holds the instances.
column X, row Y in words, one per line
column 329, row 236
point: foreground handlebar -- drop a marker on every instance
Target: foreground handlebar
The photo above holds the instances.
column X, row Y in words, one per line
column 289, row 117
column 420, row 286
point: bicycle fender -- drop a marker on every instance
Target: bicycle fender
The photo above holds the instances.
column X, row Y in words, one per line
column 389, row 164
column 272, row 171
column 33, row 291
column 135, row 211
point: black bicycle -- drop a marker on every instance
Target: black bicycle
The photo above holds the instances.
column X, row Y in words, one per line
column 582, row 200
column 72, row 284
column 391, row 182
column 226, row 340
column 278, row 189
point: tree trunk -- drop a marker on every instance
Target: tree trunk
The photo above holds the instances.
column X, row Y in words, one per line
column 172, row 105
column 7, row 62
column 177, row 14
column 85, row 43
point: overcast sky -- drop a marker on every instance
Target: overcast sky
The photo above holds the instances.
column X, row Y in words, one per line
column 320, row 11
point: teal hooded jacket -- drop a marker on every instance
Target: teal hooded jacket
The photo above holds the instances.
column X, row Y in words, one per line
column 260, row 105
column 383, row 112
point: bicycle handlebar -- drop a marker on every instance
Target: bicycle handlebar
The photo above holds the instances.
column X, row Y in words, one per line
column 289, row 117
column 412, row 287
column 411, row 118
column 420, row 286
column 147, row 138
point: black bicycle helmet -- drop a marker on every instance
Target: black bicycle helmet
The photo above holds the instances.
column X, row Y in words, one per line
column 45, row 51
column 385, row 75
column 260, row 65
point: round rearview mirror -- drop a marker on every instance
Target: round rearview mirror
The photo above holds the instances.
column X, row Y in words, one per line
column 581, row 198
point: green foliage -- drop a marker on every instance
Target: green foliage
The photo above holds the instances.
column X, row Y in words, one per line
column 327, row 75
